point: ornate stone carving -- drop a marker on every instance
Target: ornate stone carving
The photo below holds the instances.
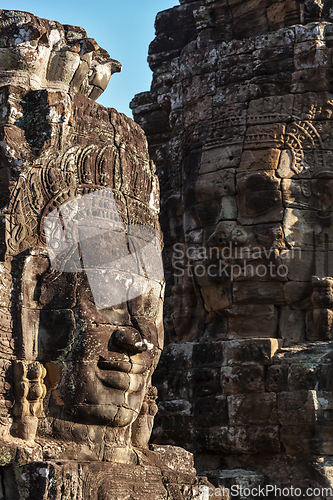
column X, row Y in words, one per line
column 40, row 54
column 29, row 391
column 81, row 278
column 68, row 280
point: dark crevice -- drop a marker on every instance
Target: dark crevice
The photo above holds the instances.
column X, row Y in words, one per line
column 35, row 119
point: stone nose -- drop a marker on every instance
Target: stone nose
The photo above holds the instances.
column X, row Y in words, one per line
column 128, row 339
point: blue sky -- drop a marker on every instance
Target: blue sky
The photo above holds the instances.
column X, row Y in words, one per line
column 123, row 27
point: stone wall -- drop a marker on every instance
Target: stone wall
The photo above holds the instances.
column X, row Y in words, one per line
column 239, row 124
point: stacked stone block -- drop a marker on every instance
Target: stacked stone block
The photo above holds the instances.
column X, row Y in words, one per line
column 247, row 403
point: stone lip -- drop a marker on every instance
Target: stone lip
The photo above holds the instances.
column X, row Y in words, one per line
column 40, row 54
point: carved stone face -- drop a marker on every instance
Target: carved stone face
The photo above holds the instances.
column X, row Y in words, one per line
column 97, row 298
column 83, row 242
column 260, row 227
column 108, row 278
column 80, row 244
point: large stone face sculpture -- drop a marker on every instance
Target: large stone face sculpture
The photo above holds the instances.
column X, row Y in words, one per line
column 81, row 279
column 239, row 123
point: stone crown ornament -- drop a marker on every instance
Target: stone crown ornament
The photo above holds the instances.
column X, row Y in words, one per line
column 39, row 54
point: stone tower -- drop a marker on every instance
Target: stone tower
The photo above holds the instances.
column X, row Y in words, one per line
column 239, row 124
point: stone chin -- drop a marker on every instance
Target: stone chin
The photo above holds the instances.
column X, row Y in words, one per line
column 100, row 397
